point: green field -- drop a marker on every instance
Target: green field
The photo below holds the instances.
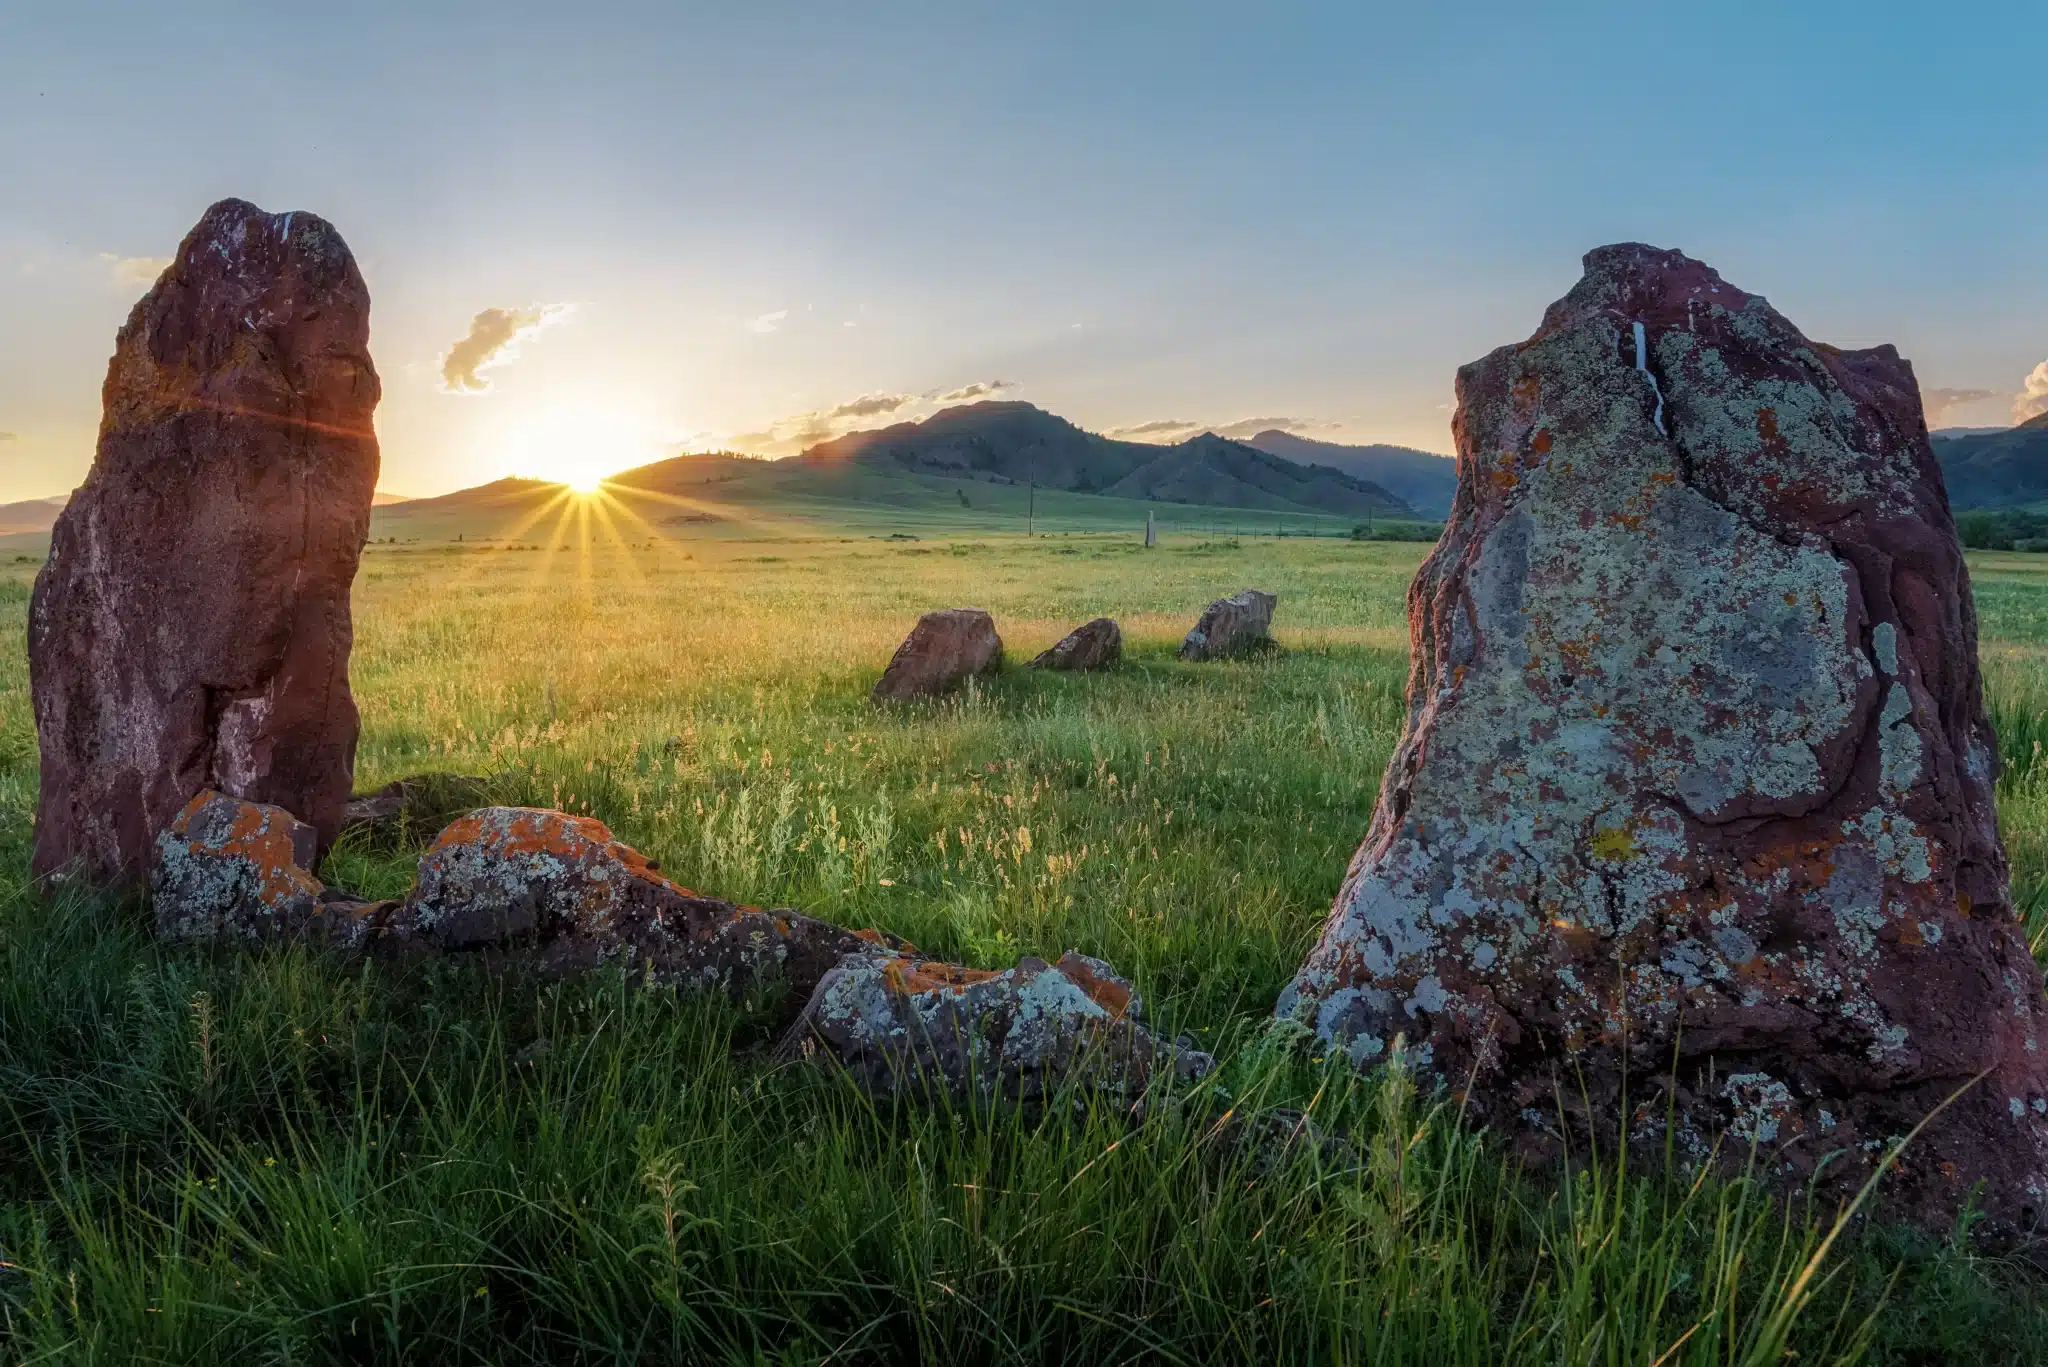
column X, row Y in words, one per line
column 285, row 1157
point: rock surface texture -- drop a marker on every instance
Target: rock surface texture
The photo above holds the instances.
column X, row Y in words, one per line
column 1232, row 627
column 908, row 1026
column 237, row 871
column 942, row 652
column 1694, row 803
column 1092, row 645
column 561, row 887
column 191, row 627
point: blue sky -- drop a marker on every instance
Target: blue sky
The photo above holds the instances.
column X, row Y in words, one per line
column 740, row 218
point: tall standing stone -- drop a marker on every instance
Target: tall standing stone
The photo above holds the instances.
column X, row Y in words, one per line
column 191, row 627
column 1693, row 813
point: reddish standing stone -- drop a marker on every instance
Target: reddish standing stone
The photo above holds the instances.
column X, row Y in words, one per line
column 1693, row 812
column 191, row 627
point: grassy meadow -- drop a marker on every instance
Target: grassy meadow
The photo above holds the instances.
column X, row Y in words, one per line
column 287, row 1157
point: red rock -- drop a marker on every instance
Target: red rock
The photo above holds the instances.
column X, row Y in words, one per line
column 1695, row 799
column 1092, row 645
column 909, row 1026
column 1232, row 627
column 237, row 871
column 561, row 888
column 190, row 629
column 943, row 651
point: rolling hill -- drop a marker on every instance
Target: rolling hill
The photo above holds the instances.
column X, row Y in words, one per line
column 1422, row 479
column 1021, row 443
column 29, row 516
column 1998, row 469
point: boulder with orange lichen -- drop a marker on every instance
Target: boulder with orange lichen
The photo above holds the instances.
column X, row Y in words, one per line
column 561, row 889
column 227, row 869
column 909, row 1026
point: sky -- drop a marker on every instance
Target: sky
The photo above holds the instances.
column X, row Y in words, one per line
column 595, row 234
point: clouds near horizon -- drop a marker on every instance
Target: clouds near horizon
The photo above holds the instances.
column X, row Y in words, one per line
column 135, row 270
column 1166, row 431
column 2032, row 400
column 1939, row 403
column 493, row 339
column 797, row 433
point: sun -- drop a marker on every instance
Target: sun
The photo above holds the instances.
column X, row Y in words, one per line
column 578, row 442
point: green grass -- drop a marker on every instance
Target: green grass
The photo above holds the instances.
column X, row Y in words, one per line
column 286, row 1157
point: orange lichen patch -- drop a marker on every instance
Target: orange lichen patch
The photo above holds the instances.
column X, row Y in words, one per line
column 1909, row 933
column 876, row 937
column 1107, row 993
column 1505, row 480
column 911, row 976
column 258, row 836
column 1540, row 443
column 641, row 867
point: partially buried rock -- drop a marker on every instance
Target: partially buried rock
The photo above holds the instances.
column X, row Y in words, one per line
column 190, row 629
column 1092, row 645
column 416, row 807
column 1232, row 627
column 560, row 887
column 238, row 871
column 943, row 651
column 909, row 1026
column 1693, row 813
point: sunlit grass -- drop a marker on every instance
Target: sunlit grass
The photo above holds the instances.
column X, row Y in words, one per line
column 229, row 1157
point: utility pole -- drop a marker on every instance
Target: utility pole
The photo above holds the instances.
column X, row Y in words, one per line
column 1031, row 496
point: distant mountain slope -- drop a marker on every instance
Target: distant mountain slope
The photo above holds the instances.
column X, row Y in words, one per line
column 1021, row 443
column 29, row 515
column 1996, row 470
column 1212, row 470
column 1420, row 478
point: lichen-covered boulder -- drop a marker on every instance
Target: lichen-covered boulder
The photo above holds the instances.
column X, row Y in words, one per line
column 1232, row 627
column 241, row 872
column 943, row 651
column 1694, row 803
column 909, row 1026
column 561, row 889
column 190, row 628
column 1092, row 645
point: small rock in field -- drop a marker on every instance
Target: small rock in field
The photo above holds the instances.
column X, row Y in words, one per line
column 943, row 650
column 909, row 1026
column 227, row 869
column 1093, row 645
column 1239, row 625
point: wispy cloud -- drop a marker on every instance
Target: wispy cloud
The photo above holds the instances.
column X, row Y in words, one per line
column 9, row 436
column 1939, row 403
column 980, row 389
column 135, row 270
column 800, row 431
column 2032, row 400
column 493, row 339
column 1168, row 430
column 768, row 322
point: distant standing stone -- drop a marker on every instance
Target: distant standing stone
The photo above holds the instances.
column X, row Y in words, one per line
column 1233, row 626
column 1093, row 645
column 1690, row 836
column 942, row 652
column 190, row 629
